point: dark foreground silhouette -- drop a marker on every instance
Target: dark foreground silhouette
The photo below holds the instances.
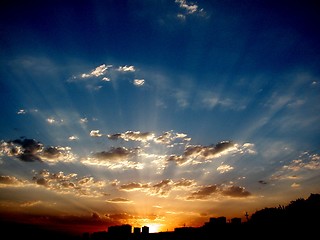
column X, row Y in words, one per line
column 299, row 219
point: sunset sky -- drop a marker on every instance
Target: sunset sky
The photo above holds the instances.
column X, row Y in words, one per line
column 156, row 112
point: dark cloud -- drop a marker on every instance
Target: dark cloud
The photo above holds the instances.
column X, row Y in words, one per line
column 162, row 188
column 235, row 191
column 119, row 200
column 194, row 154
column 30, row 149
column 207, row 192
column 262, row 182
column 203, row 193
column 115, row 154
column 9, row 180
column 133, row 186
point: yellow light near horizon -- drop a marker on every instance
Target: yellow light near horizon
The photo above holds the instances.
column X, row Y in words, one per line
column 154, row 227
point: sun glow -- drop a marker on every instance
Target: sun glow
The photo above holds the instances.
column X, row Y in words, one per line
column 154, row 227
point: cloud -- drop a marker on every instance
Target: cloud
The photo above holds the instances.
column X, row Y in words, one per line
column 224, row 168
column 30, row 150
column 73, row 138
column 133, row 186
column 190, row 8
column 115, row 154
column 10, row 181
column 98, row 71
column 83, row 120
column 57, row 154
column 203, row 193
column 165, row 138
column 119, row 200
column 196, row 154
column 22, row 111
column 69, row 183
column 126, row 69
column 26, row 150
column 95, row 133
column 306, row 163
column 234, row 191
column 211, row 191
column 160, row 189
column 115, row 158
column 30, row 203
column 138, row 82
column 133, row 136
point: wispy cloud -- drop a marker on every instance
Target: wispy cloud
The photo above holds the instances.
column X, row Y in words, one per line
column 98, row 71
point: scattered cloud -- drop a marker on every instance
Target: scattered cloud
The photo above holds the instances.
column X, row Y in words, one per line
column 83, row 120
column 73, row 138
column 69, row 183
column 304, row 167
column 203, row 193
column 189, row 7
column 126, row 69
column 22, row 111
column 138, row 82
column 30, row 150
column 215, row 191
column 9, row 181
column 134, row 186
column 224, row 168
column 98, row 71
column 95, row 133
column 115, row 158
column 133, row 136
column 195, row 154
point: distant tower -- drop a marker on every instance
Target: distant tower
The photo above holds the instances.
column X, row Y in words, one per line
column 247, row 216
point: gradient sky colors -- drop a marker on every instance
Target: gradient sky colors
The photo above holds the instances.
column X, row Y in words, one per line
column 159, row 113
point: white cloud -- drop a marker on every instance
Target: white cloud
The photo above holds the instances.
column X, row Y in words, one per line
column 98, row 71
column 22, row 111
column 224, row 168
column 73, row 138
column 138, row 82
column 126, row 69
column 95, row 133
column 190, row 8
column 106, row 79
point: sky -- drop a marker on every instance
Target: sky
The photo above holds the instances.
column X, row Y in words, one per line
column 159, row 113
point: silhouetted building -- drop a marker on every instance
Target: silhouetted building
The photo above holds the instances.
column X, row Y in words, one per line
column 145, row 230
column 125, row 229
column 137, row 230
column 219, row 220
column 235, row 220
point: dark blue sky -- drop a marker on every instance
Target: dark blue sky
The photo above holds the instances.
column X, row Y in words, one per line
column 213, row 102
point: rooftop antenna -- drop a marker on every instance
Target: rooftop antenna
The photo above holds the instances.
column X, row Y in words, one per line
column 247, row 216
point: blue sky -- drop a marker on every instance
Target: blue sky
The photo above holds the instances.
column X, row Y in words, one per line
column 136, row 110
